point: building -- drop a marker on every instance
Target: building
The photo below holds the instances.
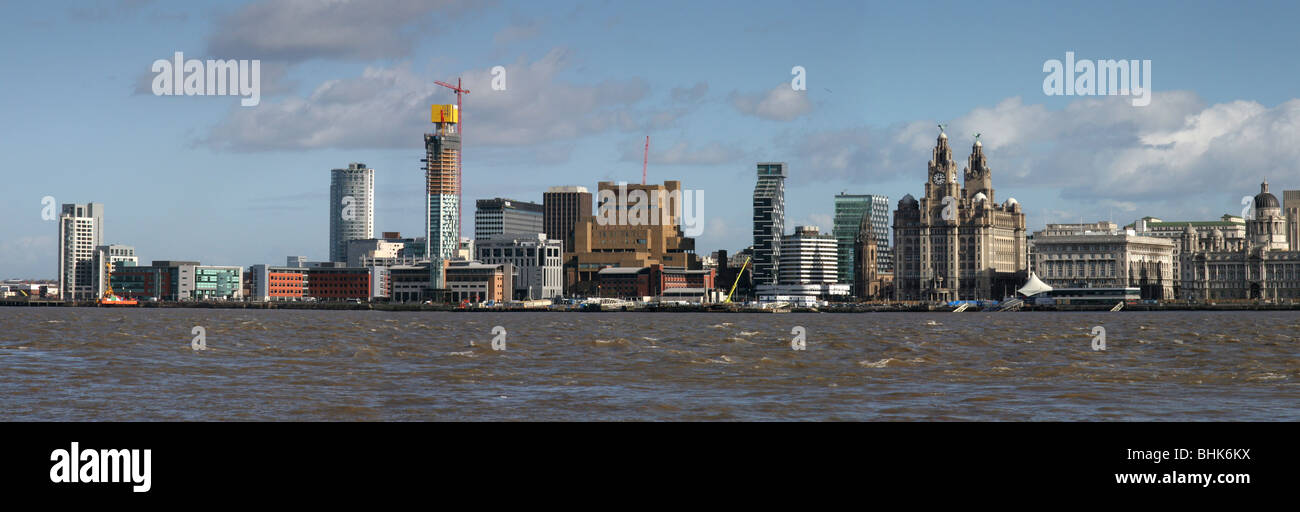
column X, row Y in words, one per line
column 478, row 282
column 957, row 242
column 1291, row 208
column 769, row 220
column 1256, row 266
column 1101, row 255
column 866, row 251
column 178, row 281
column 1230, row 227
column 108, row 257
column 807, row 266
column 537, row 261
column 81, row 228
column 352, row 208
column 384, row 251
column 267, row 283
column 342, row 283
column 655, row 281
column 442, row 190
column 849, row 211
column 409, row 283
column 807, row 256
column 562, row 208
column 499, row 216
column 218, row 283
column 621, row 234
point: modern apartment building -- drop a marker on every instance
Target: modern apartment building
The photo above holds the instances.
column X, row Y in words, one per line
column 81, row 230
column 769, row 221
column 352, row 207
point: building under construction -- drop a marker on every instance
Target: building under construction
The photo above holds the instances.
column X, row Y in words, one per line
column 442, row 187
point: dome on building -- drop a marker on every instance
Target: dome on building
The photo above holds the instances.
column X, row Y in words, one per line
column 1012, row 201
column 908, row 200
column 1264, row 199
column 979, row 196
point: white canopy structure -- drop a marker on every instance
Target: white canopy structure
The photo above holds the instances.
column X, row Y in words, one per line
column 1033, row 286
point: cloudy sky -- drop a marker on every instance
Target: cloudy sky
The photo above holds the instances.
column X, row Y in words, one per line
column 203, row 178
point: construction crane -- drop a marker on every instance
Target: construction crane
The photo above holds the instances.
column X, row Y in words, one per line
column 645, row 159
column 738, row 276
column 460, row 216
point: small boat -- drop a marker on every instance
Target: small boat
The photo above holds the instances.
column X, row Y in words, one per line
column 114, row 300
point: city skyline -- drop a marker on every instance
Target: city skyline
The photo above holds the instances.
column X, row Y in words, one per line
column 868, row 107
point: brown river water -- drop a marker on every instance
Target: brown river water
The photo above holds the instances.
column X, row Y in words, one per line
column 74, row 364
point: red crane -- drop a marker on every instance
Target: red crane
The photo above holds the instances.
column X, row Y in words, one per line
column 460, row 217
column 645, row 159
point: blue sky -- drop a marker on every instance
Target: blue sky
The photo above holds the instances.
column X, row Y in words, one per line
column 203, row 178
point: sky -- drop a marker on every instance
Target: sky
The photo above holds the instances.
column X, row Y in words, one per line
column 205, row 178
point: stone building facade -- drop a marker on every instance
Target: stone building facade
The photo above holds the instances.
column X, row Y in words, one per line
column 957, row 242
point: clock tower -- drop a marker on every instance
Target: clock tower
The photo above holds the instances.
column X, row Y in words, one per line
column 942, row 176
column 954, row 242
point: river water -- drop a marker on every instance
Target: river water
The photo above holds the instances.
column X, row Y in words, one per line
column 98, row 364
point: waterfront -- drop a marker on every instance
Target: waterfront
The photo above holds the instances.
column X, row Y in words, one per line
column 108, row 364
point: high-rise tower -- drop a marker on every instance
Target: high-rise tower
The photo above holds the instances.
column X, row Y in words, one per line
column 769, row 221
column 81, row 228
column 352, row 208
column 442, row 203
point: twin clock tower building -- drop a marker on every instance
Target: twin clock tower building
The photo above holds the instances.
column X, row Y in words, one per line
column 957, row 242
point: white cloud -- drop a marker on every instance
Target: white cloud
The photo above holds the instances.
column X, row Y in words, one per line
column 782, row 103
column 298, row 30
column 1099, row 151
column 389, row 108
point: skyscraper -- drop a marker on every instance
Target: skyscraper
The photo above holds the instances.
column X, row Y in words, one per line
column 352, row 208
column 442, row 183
column 769, row 221
column 563, row 208
column 81, row 228
column 849, row 210
column 507, row 217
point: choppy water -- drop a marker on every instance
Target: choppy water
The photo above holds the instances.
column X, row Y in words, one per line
column 99, row 364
